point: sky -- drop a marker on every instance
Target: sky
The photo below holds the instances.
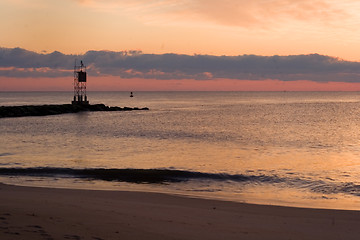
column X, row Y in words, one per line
column 210, row 45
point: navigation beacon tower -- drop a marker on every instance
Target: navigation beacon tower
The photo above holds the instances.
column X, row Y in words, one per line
column 80, row 84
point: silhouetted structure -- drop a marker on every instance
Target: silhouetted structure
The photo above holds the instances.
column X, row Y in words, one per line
column 80, row 84
column 44, row 110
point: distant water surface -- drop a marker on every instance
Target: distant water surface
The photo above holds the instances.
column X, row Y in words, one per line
column 287, row 148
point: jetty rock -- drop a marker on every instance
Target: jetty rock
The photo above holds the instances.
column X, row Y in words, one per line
column 44, row 110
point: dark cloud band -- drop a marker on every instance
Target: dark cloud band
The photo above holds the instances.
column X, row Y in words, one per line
column 17, row 62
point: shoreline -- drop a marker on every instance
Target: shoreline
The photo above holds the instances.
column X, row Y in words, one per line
column 53, row 213
column 246, row 198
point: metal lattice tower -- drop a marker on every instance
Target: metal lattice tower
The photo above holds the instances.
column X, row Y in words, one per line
column 80, row 84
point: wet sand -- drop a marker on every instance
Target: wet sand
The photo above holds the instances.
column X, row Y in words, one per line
column 45, row 213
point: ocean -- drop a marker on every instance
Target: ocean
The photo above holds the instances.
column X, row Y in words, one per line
column 283, row 148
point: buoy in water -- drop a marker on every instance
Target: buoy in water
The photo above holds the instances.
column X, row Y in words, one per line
column 131, row 94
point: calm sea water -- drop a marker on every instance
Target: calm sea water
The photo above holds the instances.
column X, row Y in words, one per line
column 287, row 148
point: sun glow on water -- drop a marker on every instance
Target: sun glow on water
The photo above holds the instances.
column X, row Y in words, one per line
column 234, row 145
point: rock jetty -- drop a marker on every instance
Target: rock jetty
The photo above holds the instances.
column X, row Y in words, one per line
column 43, row 110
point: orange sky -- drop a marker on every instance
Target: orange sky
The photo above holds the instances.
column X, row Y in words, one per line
column 213, row 27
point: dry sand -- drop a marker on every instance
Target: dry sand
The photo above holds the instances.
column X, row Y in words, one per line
column 44, row 213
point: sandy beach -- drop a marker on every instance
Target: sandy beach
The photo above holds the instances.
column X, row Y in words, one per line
column 44, row 213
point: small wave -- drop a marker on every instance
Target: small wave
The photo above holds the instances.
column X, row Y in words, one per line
column 5, row 154
column 134, row 175
column 10, row 164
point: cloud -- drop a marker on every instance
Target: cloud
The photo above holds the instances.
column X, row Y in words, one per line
column 241, row 13
column 17, row 62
